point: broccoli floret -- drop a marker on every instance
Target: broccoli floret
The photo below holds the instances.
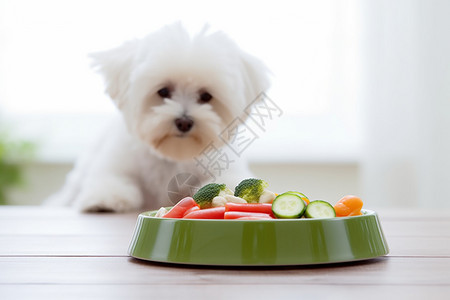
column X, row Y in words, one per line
column 206, row 194
column 250, row 189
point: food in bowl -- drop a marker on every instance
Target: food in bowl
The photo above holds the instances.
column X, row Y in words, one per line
column 251, row 200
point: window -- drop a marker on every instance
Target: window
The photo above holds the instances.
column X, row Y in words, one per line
column 47, row 88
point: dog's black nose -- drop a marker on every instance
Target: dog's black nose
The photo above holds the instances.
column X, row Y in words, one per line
column 184, row 124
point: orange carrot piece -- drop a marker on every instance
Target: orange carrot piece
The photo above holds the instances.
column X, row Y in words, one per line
column 207, row 213
column 242, row 214
column 250, row 207
column 349, row 205
column 180, row 208
column 195, row 208
column 254, row 218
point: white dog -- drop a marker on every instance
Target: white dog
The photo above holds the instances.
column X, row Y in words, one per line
column 176, row 94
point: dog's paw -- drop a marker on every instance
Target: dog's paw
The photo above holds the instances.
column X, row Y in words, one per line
column 110, row 195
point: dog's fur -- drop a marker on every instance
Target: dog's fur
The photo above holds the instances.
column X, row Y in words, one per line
column 154, row 81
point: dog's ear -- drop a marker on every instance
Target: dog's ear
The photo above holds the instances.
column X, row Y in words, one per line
column 115, row 65
column 256, row 77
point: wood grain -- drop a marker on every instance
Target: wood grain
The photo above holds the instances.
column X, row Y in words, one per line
column 123, row 270
column 61, row 254
column 64, row 245
column 66, row 222
column 223, row 292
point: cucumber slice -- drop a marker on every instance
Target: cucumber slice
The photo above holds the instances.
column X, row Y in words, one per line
column 303, row 196
column 320, row 209
column 288, row 206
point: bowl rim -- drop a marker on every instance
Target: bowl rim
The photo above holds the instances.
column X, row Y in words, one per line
column 365, row 213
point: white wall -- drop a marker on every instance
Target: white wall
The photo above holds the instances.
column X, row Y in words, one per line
column 406, row 99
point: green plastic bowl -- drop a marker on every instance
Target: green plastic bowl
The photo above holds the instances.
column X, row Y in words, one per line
column 258, row 243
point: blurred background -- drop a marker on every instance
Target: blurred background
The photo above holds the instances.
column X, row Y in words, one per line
column 364, row 87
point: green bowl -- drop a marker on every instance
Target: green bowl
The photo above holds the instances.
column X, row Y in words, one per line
column 258, row 243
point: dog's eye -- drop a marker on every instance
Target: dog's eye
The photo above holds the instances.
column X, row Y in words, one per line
column 205, row 97
column 164, row 92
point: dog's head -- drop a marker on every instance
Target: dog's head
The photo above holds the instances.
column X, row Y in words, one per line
column 177, row 92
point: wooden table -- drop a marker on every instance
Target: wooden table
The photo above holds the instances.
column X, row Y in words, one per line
column 61, row 254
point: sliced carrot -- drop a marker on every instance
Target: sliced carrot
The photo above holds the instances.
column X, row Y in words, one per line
column 341, row 209
column 207, row 213
column 355, row 213
column 250, row 207
column 194, row 208
column 348, row 206
column 254, row 218
column 180, row 208
column 245, row 214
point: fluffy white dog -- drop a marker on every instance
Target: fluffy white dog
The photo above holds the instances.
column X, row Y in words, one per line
column 176, row 94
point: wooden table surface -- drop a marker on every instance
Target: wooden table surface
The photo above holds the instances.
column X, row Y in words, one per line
column 62, row 254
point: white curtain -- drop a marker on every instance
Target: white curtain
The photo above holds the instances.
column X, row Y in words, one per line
column 406, row 103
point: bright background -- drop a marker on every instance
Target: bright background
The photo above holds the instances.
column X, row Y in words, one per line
column 362, row 84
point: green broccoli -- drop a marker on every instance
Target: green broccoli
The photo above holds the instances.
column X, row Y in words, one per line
column 207, row 193
column 251, row 189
